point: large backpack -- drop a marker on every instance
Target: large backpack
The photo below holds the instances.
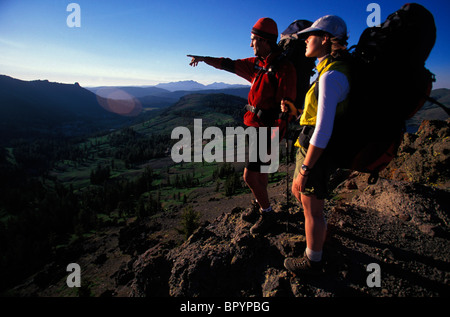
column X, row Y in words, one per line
column 389, row 84
column 294, row 49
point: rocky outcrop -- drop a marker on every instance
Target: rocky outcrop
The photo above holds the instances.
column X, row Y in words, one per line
column 424, row 157
column 223, row 259
column 401, row 223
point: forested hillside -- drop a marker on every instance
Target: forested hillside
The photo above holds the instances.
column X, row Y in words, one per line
column 55, row 190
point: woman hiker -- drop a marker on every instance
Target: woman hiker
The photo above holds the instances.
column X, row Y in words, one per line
column 326, row 40
column 268, row 91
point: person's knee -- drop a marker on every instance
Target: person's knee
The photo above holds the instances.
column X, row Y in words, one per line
column 312, row 207
column 255, row 179
column 249, row 178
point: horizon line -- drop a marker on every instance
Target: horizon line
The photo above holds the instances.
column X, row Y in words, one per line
column 124, row 85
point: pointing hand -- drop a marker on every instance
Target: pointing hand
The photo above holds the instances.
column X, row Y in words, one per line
column 195, row 60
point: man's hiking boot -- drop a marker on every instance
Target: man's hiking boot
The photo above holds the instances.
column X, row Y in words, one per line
column 251, row 214
column 266, row 221
column 304, row 266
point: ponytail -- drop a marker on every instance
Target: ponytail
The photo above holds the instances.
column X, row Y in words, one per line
column 339, row 48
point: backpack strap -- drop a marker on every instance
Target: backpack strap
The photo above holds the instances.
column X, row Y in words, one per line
column 267, row 117
column 316, row 82
column 272, row 77
column 430, row 99
column 271, row 71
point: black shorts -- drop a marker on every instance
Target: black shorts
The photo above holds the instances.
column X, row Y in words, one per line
column 253, row 145
column 318, row 180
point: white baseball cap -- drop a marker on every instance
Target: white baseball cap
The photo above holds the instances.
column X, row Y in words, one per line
column 329, row 23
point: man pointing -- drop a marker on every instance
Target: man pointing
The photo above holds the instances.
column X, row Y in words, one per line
column 273, row 82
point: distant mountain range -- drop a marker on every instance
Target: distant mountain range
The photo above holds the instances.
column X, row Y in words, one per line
column 41, row 108
column 187, row 85
column 193, row 85
column 36, row 108
column 166, row 94
column 163, row 88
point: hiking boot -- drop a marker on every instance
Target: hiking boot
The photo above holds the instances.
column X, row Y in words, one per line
column 266, row 221
column 251, row 214
column 304, row 266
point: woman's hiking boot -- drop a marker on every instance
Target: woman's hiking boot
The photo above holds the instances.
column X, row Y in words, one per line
column 251, row 214
column 266, row 221
column 304, row 266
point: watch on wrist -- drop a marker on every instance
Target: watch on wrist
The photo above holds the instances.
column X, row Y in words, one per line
column 305, row 169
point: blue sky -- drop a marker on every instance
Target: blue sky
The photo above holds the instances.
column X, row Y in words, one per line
column 139, row 42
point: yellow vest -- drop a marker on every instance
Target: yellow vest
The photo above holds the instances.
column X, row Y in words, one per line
column 309, row 114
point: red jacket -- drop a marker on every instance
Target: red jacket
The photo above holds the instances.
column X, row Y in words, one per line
column 265, row 93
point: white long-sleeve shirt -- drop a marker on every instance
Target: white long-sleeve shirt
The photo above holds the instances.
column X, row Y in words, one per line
column 333, row 88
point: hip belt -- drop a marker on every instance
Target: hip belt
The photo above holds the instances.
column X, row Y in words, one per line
column 306, row 132
column 266, row 116
column 255, row 110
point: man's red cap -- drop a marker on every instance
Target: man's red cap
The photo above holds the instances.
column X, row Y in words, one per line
column 266, row 28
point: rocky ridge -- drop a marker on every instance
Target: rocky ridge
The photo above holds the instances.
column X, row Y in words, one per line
column 401, row 223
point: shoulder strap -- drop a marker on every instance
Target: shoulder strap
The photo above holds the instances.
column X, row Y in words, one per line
column 430, row 99
column 316, row 87
column 271, row 70
column 316, row 82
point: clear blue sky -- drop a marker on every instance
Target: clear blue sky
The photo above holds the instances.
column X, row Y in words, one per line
column 137, row 42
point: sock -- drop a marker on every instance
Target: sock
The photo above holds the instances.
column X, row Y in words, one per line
column 267, row 209
column 315, row 256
